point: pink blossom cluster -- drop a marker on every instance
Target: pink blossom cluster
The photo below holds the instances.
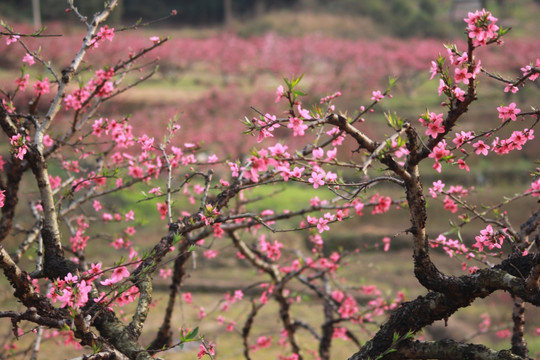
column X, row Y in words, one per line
column 440, row 152
column 533, row 72
column 18, row 142
column 481, row 27
column 78, row 240
column 42, row 87
column 70, row 292
column 329, row 98
column 382, row 204
column 450, row 246
column 104, row 33
column 99, row 84
column 516, row 141
column 433, row 122
column 508, row 112
column 489, row 238
column 204, row 350
column 272, row 251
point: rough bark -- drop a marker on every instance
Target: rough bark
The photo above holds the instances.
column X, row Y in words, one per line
column 414, row 315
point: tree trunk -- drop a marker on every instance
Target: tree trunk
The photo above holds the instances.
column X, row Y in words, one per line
column 228, row 13
column 36, row 11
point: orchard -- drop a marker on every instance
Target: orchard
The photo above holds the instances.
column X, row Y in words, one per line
column 99, row 214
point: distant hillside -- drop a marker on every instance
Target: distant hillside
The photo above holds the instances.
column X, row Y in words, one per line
column 344, row 18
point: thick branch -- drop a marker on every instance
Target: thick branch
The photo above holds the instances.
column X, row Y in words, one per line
column 24, row 291
column 462, row 291
column 450, row 349
column 164, row 335
column 519, row 345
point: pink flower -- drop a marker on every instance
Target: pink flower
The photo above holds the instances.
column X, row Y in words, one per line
column 162, row 208
column 481, row 148
column 297, row 172
column 11, row 39
column 383, row 205
column 488, row 238
column 105, row 33
column 19, row 147
column 22, row 82
column 279, row 93
column 510, row 87
column 117, row 275
column 459, row 94
column 187, row 297
column 130, row 216
column 434, row 69
column 438, row 186
column 462, row 165
column 202, row 313
column 155, row 39
column 317, row 153
column 503, row 334
column 230, row 326
column 434, row 129
column 462, row 75
column 47, row 141
column 303, row 112
column 264, row 342
column 106, row 89
column 450, row 204
column 41, row 87
column 386, row 242
column 528, row 71
column 203, row 351
column 317, row 179
column 377, row 96
column 210, row 254
column 298, row 126
column 535, row 188
column 462, row 137
column 440, row 151
column 340, row 333
column 485, row 324
column 331, row 154
column 508, row 112
column 29, row 59
column 2, row 198
column 279, row 150
column 95, row 268
column 442, row 87
column 481, row 27
column 165, row 273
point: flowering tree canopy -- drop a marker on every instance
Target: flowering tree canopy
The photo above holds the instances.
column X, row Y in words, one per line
column 72, row 164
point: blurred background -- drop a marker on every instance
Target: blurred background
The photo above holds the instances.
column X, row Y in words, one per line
column 225, row 56
column 351, row 18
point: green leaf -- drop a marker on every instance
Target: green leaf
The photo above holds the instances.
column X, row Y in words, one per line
column 394, row 121
column 503, row 31
column 295, row 82
column 191, row 248
column 39, row 32
column 287, row 82
column 192, row 334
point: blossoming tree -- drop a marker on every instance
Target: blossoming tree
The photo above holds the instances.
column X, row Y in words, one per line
column 78, row 159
